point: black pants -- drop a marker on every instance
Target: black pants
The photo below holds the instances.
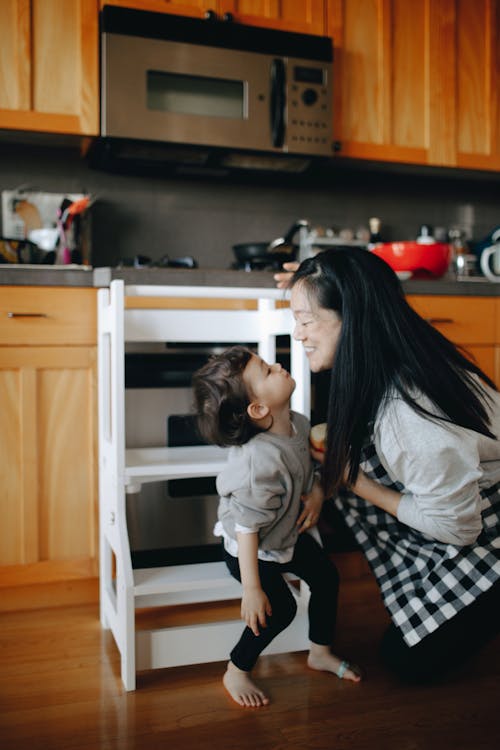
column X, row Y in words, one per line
column 446, row 647
column 310, row 563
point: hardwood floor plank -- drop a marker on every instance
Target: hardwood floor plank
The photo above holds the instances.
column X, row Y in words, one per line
column 60, row 689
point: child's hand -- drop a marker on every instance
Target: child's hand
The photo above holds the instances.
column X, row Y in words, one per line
column 254, row 607
column 313, row 503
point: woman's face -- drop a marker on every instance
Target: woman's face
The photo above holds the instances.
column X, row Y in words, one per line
column 316, row 327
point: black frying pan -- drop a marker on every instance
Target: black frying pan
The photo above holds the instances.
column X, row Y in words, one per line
column 279, row 251
column 259, row 251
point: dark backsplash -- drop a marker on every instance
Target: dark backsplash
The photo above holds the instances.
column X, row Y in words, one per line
column 154, row 216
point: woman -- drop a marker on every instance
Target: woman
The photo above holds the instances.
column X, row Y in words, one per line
column 412, row 457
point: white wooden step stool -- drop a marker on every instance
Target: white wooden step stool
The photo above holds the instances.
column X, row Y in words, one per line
column 153, row 314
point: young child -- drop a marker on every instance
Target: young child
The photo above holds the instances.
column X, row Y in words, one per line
column 268, row 498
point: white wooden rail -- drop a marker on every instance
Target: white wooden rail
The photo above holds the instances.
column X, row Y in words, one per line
column 122, row 470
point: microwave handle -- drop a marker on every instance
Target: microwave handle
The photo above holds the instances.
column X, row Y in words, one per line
column 278, row 100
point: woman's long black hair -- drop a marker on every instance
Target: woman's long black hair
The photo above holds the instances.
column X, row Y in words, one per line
column 384, row 345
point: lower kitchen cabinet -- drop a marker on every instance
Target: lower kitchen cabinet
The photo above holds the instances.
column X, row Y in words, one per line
column 470, row 322
column 48, row 440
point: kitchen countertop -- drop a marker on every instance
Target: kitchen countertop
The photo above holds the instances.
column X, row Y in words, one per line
column 101, row 277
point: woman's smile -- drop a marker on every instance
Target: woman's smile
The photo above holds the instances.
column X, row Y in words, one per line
column 317, row 328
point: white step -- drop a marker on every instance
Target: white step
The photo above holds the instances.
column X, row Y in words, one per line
column 184, row 584
column 182, row 578
column 157, row 464
column 198, row 644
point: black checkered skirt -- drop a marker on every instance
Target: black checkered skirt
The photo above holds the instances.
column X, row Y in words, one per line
column 423, row 582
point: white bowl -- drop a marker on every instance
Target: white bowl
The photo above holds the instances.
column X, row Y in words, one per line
column 46, row 238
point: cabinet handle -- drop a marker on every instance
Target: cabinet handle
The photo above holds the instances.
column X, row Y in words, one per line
column 434, row 321
column 26, row 315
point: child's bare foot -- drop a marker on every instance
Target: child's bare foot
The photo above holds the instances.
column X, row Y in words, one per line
column 321, row 658
column 241, row 688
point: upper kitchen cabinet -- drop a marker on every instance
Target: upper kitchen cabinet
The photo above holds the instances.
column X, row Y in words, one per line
column 417, row 82
column 196, row 8
column 305, row 16
column 477, row 110
column 49, row 59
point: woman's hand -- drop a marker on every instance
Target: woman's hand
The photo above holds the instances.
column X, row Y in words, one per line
column 376, row 494
column 283, row 279
column 255, row 606
column 313, row 503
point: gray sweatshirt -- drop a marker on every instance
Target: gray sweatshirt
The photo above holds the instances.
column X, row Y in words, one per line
column 261, row 486
column 442, row 468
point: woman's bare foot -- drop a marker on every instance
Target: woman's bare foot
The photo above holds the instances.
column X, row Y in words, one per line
column 241, row 688
column 321, row 658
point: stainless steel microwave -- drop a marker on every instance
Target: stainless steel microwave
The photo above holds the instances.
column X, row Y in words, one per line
column 214, row 83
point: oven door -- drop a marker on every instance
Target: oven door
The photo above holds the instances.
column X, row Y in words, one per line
column 160, row 90
column 169, row 522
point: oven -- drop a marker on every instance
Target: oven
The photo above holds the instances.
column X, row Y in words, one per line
column 171, row 522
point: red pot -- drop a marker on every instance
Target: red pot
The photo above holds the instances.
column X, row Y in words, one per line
column 418, row 258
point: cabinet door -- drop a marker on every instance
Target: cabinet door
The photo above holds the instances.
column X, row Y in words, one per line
column 417, row 82
column 478, row 84
column 48, row 461
column 304, row 16
column 388, row 69
column 469, row 322
column 49, row 55
column 195, row 8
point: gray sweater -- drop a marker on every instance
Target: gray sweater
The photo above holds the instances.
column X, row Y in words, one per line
column 442, row 468
column 261, row 486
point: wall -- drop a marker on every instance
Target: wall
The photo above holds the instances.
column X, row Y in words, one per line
column 155, row 216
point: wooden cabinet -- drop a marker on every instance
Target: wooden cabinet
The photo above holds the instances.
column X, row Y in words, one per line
column 306, row 16
column 470, row 322
column 417, row 82
column 48, row 444
column 477, row 106
column 49, row 59
column 196, row 8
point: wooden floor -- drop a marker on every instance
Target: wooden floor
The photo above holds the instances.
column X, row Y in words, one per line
column 60, row 689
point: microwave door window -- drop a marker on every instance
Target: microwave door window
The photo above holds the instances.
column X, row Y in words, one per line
column 195, row 95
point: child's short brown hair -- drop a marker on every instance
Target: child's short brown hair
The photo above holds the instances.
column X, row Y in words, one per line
column 221, row 398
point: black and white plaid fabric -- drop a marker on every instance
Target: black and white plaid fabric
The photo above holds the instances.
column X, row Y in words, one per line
column 423, row 582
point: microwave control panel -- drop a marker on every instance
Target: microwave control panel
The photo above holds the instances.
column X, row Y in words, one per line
column 309, row 121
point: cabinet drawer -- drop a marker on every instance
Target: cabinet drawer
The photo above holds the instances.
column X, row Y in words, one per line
column 463, row 320
column 47, row 315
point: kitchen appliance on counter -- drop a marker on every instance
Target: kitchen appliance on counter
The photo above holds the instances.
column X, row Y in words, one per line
column 194, row 86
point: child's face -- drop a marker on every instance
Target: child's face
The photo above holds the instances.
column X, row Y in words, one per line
column 271, row 385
